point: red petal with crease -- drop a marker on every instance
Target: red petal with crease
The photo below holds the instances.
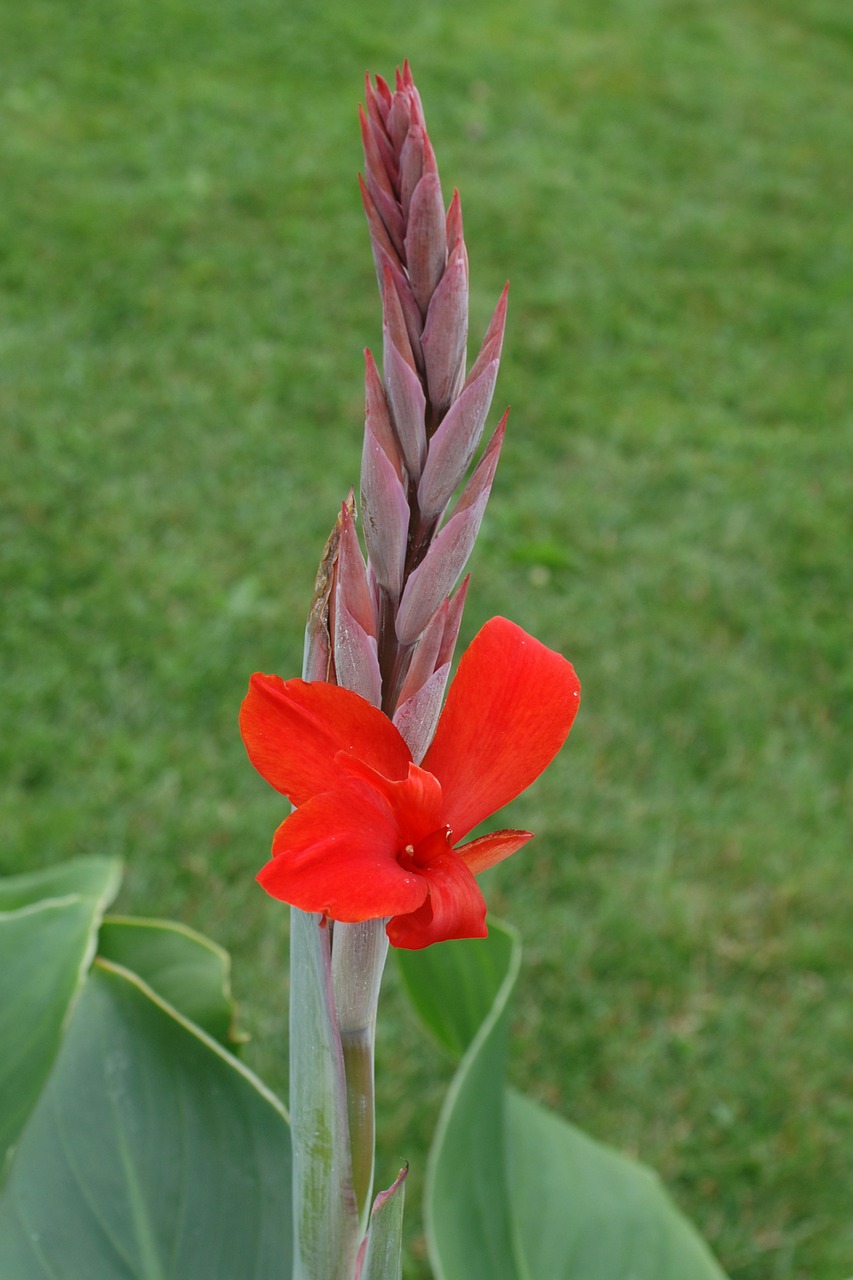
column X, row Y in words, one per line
column 508, row 712
column 454, row 908
column 414, row 802
column 293, row 731
column 337, row 854
column 487, row 851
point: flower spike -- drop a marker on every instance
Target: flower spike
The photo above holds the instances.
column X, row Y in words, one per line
column 386, row 787
column 386, row 784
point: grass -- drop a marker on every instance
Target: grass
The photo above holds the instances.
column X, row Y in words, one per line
column 186, row 288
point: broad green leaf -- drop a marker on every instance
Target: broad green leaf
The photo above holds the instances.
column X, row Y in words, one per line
column 152, row 1154
column 383, row 1259
column 186, row 969
column 453, row 985
column 584, row 1210
column 513, row 1192
column 97, row 878
column 469, row 1219
column 45, row 949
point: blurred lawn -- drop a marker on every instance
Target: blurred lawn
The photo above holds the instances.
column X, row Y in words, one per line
column 186, row 288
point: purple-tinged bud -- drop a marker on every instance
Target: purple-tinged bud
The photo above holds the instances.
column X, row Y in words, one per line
column 385, row 515
column 399, row 119
column 409, row 99
column 432, row 580
column 384, row 145
column 453, row 621
column 446, row 332
column 411, row 167
column 387, row 263
column 356, row 660
column 455, row 443
column 377, row 418
column 394, row 327
column 425, row 656
column 493, row 341
column 353, row 584
column 417, row 717
column 406, row 398
column 378, row 100
column 355, row 620
column 417, row 159
column 420, row 698
column 434, row 650
column 382, row 152
column 407, row 403
column 430, row 165
column 480, row 484
column 453, row 230
column 380, row 241
column 379, row 185
column 426, row 254
column 411, row 312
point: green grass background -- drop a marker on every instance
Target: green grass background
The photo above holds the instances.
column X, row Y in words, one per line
column 186, row 289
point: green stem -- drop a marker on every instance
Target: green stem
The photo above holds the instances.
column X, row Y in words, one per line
column 358, row 959
column 326, row 1229
column 358, row 1065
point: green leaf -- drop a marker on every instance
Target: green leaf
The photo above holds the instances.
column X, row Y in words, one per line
column 45, row 949
column 97, row 878
column 513, row 1192
column 186, row 969
column 152, row 1154
column 453, row 985
column 383, row 1259
column 582, row 1209
column 468, row 1213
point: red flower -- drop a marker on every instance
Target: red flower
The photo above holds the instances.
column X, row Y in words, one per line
column 373, row 834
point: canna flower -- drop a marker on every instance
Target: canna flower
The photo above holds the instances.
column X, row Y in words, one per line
column 373, row 834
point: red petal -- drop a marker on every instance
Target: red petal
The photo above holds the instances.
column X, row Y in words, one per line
column 488, row 851
column 508, row 712
column 294, row 730
column 337, row 854
column 454, row 908
column 416, row 802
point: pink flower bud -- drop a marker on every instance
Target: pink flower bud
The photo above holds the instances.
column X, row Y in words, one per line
column 385, row 512
column 379, row 184
column 446, row 332
column 425, row 239
column 356, row 624
column 406, row 399
column 434, row 577
column 455, row 443
column 417, row 717
column 411, row 166
column 453, row 231
column 420, row 697
column 493, row 341
column 376, row 415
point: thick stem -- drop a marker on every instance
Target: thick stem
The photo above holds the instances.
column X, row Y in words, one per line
column 358, row 959
column 358, row 1065
column 326, row 1232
